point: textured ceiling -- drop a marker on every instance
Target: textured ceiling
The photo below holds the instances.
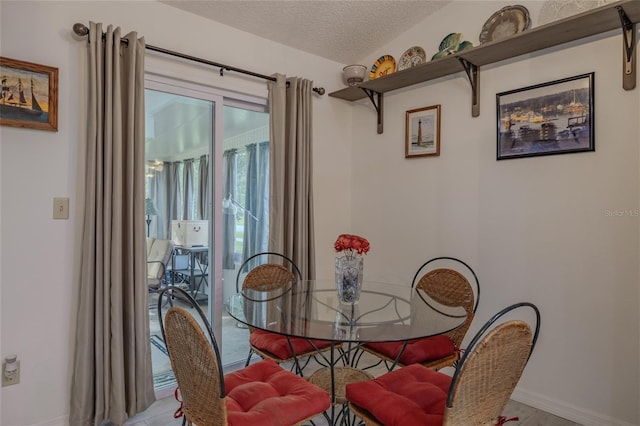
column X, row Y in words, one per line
column 342, row 31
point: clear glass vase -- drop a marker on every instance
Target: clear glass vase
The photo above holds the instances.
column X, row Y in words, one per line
column 349, row 278
column 347, row 316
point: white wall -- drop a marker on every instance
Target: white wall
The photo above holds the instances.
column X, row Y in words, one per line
column 37, row 264
column 534, row 229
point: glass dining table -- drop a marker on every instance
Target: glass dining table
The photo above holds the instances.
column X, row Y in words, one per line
column 310, row 309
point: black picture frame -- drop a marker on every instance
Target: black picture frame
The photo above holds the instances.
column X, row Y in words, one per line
column 556, row 117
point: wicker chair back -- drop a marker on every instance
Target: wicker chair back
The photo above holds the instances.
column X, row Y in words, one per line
column 196, row 368
column 490, row 370
column 452, row 289
column 269, row 276
column 263, row 274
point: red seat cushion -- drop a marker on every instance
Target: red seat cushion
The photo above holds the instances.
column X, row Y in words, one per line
column 277, row 344
column 265, row 394
column 418, row 350
column 412, row 395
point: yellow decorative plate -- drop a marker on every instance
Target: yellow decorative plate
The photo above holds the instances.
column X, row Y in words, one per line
column 385, row 65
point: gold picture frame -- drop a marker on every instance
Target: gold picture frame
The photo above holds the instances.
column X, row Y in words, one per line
column 29, row 95
column 422, row 132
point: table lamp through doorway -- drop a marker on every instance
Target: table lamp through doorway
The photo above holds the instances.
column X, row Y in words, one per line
column 150, row 210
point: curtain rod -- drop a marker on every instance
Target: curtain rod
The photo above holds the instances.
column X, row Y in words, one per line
column 82, row 31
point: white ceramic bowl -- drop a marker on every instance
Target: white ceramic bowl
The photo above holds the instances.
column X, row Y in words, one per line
column 354, row 74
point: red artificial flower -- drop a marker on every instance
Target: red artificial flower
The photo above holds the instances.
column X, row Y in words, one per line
column 352, row 243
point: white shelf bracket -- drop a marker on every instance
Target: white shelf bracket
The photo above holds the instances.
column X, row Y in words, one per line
column 376, row 104
column 473, row 73
column 628, row 50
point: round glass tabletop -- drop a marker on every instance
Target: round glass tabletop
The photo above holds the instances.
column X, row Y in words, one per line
column 310, row 309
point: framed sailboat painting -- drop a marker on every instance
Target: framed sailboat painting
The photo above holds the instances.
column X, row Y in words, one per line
column 29, row 95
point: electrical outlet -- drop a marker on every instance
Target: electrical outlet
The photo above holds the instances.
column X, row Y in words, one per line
column 14, row 378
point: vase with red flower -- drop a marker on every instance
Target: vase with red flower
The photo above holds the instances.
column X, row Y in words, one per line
column 349, row 267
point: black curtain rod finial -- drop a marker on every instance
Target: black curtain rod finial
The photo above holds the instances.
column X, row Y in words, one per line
column 80, row 29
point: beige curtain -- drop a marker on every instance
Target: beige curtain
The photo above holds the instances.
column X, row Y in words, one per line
column 291, row 228
column 112, row 377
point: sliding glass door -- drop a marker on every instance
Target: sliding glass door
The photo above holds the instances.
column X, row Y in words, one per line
column 245, row 201
column 179, row 135
column 207, row 194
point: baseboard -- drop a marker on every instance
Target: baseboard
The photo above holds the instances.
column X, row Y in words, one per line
column 58, row 421
column 567, row 411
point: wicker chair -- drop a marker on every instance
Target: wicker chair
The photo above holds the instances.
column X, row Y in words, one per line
column 262, row 393
column 277, row 347
column 477, row 393
column 450, row 288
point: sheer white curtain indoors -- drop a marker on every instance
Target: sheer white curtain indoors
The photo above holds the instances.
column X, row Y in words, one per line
column 112, row 377
column 291, row 226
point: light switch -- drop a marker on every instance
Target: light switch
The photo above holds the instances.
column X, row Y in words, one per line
column 61, row 208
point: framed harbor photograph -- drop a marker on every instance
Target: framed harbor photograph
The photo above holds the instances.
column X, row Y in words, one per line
column 29, row 96
column 422, row 132
column 549, row 118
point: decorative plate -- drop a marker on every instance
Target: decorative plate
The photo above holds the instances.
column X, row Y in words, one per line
column 412, row 57
column 508, row 21
column 385, row 65
column 553, row 10
column 451, row 44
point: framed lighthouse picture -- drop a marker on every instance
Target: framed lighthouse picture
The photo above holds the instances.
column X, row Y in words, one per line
column 422, row 132
column 29, row 96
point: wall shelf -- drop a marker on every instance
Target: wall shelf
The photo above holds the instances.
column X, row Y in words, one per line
column 619, row 15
